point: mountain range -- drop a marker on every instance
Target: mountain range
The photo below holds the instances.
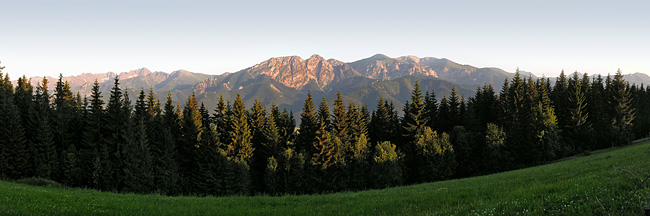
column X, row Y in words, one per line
column 286, row 81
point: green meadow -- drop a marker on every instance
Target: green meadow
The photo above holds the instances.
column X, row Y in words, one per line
column 606, row 182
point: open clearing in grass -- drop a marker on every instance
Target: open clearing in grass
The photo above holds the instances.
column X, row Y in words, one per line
column 598, row 184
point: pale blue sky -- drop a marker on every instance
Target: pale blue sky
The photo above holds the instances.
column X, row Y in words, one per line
column 72, row 37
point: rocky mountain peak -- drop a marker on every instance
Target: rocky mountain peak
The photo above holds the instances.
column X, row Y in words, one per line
column 134, row 73
column 410, row 59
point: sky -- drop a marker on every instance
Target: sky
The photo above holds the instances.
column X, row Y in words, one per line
column 40, row 38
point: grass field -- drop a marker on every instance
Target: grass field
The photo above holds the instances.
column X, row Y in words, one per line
column 599, row 184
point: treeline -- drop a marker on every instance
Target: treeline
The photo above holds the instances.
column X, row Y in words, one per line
column 149, row 147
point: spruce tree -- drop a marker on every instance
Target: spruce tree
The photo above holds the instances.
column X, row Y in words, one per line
column 414, row 116
column 380, row 123
column 70, row 167
column 287, row 125
column 14, row 153
column 548, row 142
column 62, row 114
column 340, row 121
column 241, row 149
column 192, row 129
column 454, row 110
column 144, row 167
column 308, row 127
column 43, row 150
column 444, row 114
column 623, row 113
column 130, row 164
column 599, row 115
column 116, row 139
column 560, row 100
column 89, row 156
column 431, row 109
column 257, row 121
column 165, row 171
column 324, row 114
column 578, row 131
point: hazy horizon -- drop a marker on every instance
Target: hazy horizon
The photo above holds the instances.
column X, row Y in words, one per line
column 45, row 38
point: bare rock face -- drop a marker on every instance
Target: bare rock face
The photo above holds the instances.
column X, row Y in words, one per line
column 446, row 69
column 385, row 68
column 296, row 72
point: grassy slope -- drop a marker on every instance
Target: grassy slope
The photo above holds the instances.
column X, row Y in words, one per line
column 601, row 183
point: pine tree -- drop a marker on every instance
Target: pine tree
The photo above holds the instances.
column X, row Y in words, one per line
column 623, row 113
column 43, row 150
column 560, row 100
column 116, row 140
column 192, row 130
column 165, row 167
column 89, row 156
column 380, row 123
column 62, row 113
column 579, row 131
column 220, row 117
column 70, row 167
column 324, row 114
column 241, row 149
column 273, row 145
column 431, row 109
column 208, row 163
column 153, row 105
column 130, row 164
column 257, row 121
column 357, row 123
column 144, row 167
column 444, row 113
column 205, row 115
column 547, row 131
column 287, row 126
column 414, row 116
column 340, row 121
column 454, row 110
column 599, row 116
column 308, row 127
column 14, row 153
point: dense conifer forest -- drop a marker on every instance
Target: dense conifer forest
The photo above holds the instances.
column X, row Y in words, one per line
column 149, row 146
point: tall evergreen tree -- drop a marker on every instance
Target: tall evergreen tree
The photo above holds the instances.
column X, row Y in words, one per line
column 63, row 111
column 89, row 156
column 560, row 99
column 144, row 169
column 340, row 124
column 380, row 123
column 431, row 109
column 241, row 149
column 324, row 114
column 257, row 121
column 192, row 129
column 308, row 127
column 578, row 131
column 14, row 153
column 623, row 112
column 599, row 116
column 414, row 116
column 42, row 148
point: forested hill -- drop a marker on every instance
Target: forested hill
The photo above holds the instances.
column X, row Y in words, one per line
column 158, row 146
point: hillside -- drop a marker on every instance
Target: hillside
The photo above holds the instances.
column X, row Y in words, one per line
column 600, row 184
